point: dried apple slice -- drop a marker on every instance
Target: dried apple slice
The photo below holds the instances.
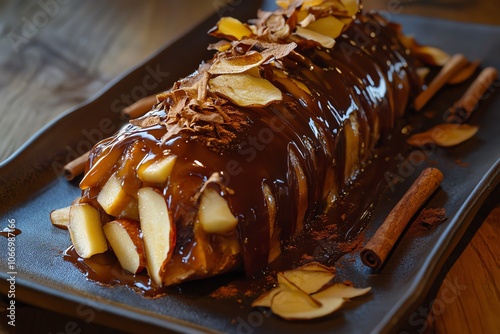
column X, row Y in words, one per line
column 323, row 40
column 251, row 59
column 266, row 299
column 214, row 213
column 124, row 237
column 296, row 279
column 310, row 277
column 245, row 90
column 311, row 3
column 158, row 171
column 237, row 64
column 351, row 6
column 158, row 231
column 60, row 217
column 286, row 285
column 220, row 46
column 291, row 305
column 297, row 305
column 85, row 230
column 310, row 281
column 444, row 135
column 302, row 15
column 230, row 28
column 340, row 290
column 276, row 50
column 283, row 3
column 297, row 296
column 316, row 266
column 328, row 26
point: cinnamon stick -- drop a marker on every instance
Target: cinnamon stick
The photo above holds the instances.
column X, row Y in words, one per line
column 463, row 108
column 452, row 67
column 378, row 248
column 465, row 73
column 139, row 108
column 75, row 167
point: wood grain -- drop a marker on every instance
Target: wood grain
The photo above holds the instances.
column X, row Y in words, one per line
column 75, row 53
column 85, row 44
column 469, row 300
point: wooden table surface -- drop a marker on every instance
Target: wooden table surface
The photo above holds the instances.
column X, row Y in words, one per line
column 55, row 54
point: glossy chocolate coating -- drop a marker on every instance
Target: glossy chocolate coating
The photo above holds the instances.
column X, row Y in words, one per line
column 368, row 75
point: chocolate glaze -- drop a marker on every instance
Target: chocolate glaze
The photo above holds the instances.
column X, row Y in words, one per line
column 369, row 78
column 105, row 269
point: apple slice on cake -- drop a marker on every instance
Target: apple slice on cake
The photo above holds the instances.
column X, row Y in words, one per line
column 85, row 230
column 124, row 237
column 158, row 231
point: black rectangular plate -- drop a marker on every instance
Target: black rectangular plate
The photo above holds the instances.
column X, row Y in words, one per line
column 30, row 189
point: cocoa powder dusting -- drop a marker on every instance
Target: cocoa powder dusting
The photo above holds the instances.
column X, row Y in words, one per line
column 352, row 245
column 326, row 234
column 431, row 217
column 234, row 292
column 225, row 292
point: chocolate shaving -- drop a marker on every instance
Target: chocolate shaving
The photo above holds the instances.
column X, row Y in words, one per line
column 146, row 121
column 190, row 107
column 210, row 116
column 278, row 51
column 281, row 24
column 213, row 121
column 273, row 26
column 202, row 86
column 219, row 45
